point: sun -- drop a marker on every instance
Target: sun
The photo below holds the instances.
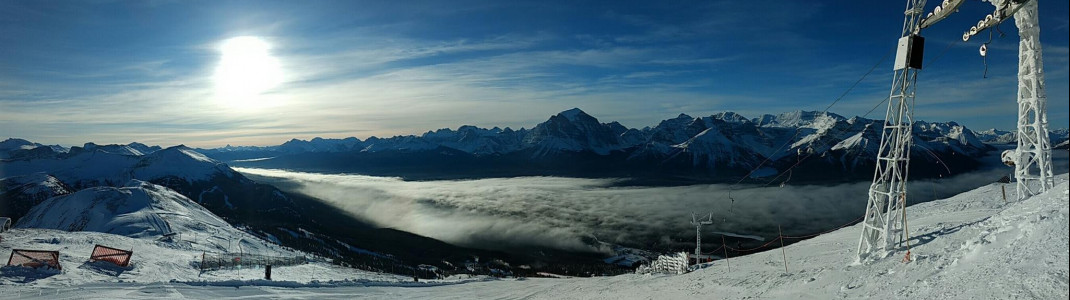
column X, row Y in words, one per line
column 246, row 70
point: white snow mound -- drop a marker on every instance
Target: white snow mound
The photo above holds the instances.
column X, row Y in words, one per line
column 139, row 209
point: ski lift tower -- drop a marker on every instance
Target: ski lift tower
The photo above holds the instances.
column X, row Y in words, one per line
column 698, row 233
column 885, row 215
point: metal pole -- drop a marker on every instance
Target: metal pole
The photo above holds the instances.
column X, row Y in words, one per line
column 727, row 264
column 782, row 251
column 241, row 253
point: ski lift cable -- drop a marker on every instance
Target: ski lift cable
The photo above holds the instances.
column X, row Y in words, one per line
column 822, row 144
column 871, row 110
column 984, row 54
column 827, row 108
column 927, row 150
column 834, row 102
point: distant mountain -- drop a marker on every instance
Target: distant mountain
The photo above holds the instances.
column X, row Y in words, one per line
column 574, row 143
column 996, row 136
column 20, row 193
column 15, row 148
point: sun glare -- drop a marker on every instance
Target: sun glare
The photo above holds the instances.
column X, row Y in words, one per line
column 245, row 71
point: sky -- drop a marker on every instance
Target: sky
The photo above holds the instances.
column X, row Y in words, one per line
column 166, row 72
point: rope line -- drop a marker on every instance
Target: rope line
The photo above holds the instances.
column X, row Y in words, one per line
column 830, row 230
column 755, row 248
column 712, row 251
column 782, row 237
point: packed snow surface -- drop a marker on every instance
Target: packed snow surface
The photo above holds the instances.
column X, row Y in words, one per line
column 970, row 246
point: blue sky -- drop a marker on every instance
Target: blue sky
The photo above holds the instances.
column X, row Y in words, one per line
column 117, row 71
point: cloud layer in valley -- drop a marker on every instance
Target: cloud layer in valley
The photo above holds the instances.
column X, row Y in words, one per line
column 572, row 213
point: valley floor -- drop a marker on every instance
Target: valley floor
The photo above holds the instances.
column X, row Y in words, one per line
column 970, row 246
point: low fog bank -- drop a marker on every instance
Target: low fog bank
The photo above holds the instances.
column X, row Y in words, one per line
column 573, row 214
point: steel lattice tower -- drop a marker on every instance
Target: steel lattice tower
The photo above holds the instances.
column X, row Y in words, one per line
column 1032, row 164
column 886, row 208
column 887, row 194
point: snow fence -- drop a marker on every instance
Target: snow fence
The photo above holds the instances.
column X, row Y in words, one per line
column 216, row 261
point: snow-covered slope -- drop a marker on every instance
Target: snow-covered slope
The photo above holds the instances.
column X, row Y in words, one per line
column 38, row 185
column 970, row 246
column 154, row 263
column 167, row 232
column 139, row 209
column 261, row 208
column 20, row 193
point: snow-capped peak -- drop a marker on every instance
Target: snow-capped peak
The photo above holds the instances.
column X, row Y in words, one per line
column 573, row 114
column 179, row 161
column 17, row 143
column 20, row 148
column 730, row 117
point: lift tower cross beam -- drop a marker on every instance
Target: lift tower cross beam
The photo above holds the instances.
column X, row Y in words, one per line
column 887, row 195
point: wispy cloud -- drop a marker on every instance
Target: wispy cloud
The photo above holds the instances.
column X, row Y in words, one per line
column 386, row 69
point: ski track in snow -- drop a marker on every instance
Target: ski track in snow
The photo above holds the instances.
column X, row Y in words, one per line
column 969, row 246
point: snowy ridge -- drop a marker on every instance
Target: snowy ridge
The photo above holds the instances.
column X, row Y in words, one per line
column 996, row 136
column 710, row 143
column 15, row 148
column 18, row 194
column 86, row 167
column 36, row 183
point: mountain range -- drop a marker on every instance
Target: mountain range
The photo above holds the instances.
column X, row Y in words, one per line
column 96, row 176
column 814, row 146
column 718, row 147
column 996, row 136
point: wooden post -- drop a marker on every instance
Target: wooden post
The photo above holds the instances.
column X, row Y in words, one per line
column 782, row 251
column 906, row 229
column 728, row 264
column 1004, row 186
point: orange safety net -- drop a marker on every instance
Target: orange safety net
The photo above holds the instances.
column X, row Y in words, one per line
column 116, row 256
column 34, row 258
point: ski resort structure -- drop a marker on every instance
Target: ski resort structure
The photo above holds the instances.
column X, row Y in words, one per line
column 698, row 223
column 885, row 218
